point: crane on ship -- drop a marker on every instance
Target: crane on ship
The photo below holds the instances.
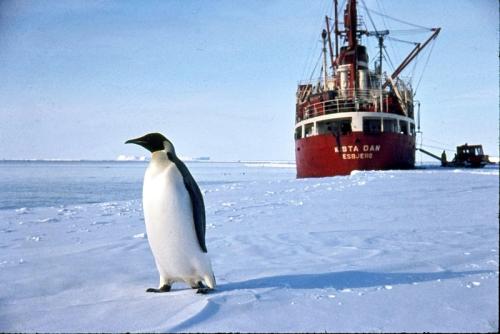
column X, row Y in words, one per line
column 355, row 29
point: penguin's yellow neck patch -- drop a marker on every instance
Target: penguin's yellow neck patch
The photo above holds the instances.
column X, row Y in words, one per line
column 159, row 155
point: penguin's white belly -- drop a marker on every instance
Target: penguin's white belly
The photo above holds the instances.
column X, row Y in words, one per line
column 170, row 227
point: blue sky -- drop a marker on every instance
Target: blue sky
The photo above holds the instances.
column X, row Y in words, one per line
column 216, row 77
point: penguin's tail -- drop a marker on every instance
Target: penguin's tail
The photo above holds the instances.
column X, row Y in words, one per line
column 210, row 281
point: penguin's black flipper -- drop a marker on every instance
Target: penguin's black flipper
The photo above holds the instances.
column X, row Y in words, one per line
column 197, row 203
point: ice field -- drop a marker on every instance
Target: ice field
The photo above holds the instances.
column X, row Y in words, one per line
column 380, row 251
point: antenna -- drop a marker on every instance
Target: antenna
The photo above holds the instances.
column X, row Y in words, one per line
column 380, row 34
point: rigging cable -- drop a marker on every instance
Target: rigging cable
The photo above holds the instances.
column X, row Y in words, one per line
column 343, row 4
column 439, row 148
column 400, row 21
column 386, row 56
column 388, row 59
column 382, row 9
column 409, row 31
column 438, row 142
column 310, row 54
column 406, row 42
column 377, row 34
column 413, row 71
column 315, row 66
column 369, row 16
column 402, row 40
column 425, row 66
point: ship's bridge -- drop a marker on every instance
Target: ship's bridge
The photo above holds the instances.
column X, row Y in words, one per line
column 349, row 122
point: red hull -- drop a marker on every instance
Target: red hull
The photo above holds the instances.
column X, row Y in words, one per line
column 324, row 155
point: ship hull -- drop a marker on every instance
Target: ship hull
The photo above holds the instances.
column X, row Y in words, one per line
column 329, row 155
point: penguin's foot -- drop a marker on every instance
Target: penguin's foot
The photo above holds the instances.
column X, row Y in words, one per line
column 202, row 289
column 164, row 288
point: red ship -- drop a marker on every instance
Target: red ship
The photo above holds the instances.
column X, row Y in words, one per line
column 352, row 117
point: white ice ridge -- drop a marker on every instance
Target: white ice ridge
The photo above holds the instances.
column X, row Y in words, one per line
column 123, row 157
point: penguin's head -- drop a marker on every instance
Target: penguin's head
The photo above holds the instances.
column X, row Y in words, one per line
column 153, row 142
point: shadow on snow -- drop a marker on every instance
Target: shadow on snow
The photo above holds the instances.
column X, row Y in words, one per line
column 344, row 280
column 336, row 280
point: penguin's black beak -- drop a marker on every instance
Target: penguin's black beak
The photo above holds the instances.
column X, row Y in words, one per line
column 138, row 141
column 152, row 142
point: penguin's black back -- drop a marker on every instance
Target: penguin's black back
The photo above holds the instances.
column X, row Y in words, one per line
column 198, row 206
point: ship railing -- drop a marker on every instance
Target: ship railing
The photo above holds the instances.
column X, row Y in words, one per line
column 347, row 101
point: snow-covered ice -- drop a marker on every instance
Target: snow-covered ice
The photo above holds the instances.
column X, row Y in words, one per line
column 375, row 251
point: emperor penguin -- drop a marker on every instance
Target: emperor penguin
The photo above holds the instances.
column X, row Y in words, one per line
column 174, row 214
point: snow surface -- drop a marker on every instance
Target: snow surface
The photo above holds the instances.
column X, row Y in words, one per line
column 375, row 251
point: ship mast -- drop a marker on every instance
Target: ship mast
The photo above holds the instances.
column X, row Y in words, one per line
column 350, row 62
column 380, row 36
column 336, row 31
column 330, row 43
column 351, row 26
column 325, row 72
